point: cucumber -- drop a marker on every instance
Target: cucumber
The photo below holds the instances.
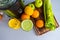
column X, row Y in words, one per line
column 10, row 14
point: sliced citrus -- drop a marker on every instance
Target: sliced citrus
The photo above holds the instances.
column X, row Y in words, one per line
column 28, row 10
column 14, row 23
column 27, row 25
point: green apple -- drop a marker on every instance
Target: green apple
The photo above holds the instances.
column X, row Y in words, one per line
column 25, row 2
column 32, row 6
column 38, row 3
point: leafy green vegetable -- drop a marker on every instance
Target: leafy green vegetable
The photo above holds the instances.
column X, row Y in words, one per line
column 49, row 16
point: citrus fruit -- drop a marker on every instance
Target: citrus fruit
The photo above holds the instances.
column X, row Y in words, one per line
column 28, row 10
column 1, row 16
column 25, row 16
column 39, row 23
column 35, row 14
column 27, row 25
column 14, row 23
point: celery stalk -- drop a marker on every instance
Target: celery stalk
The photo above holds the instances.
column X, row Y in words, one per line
column 48, row 15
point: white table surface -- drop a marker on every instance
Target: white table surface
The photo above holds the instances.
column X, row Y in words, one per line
column 7, row 33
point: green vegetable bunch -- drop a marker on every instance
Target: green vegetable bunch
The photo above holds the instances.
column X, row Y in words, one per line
column 49, row 16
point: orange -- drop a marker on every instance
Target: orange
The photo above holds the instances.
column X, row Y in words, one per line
column 1, row 16
column 28, row 10
column 39, row 23
column 35, row 14
column 25, row 16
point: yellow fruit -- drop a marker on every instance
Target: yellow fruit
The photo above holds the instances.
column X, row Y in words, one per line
column 39, row 23
column 25, row 16
column 28, row 10
column 14, row 23
column 35, row 14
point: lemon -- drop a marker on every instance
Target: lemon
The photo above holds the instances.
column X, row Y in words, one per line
column 14, row 23
column 27, row 25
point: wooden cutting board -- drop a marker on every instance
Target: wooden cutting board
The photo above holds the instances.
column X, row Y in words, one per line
column 40, row 31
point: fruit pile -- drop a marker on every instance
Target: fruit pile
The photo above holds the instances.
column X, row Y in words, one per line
column 33, row 15
column 25, row 22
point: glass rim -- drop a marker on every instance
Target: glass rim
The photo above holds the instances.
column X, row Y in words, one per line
column 8, row 5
